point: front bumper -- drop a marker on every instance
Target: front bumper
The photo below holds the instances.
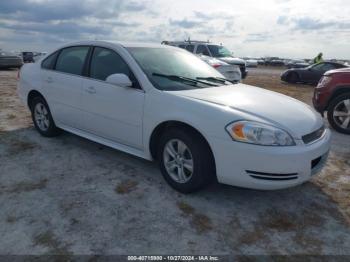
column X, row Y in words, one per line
column 320, row 100
column 267, row 167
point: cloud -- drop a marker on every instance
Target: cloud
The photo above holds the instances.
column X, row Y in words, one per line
column 276, row 27
column 68, row 18
column 306, row 23
column 258, row 37
column 185, row 23
column 282, row 20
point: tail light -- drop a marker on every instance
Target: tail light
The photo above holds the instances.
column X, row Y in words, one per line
column 216, row 65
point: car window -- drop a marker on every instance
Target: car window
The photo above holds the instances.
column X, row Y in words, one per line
column 202, row 49
column 317, row 67
column 106, row 62
column 327, row 67
column 219, row 51
column 49, row 62
column 182, row 46
column 71, row 60
column 190, row 48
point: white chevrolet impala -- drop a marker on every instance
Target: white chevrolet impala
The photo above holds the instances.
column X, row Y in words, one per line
column 160, row 102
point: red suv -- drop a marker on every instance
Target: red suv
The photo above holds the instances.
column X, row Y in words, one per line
column 333, row 95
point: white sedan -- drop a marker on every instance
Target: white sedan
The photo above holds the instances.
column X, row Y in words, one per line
column 231, row 72
column 160, row 102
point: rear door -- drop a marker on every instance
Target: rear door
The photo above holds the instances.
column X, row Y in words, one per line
column 63, row 84
column 110, row 111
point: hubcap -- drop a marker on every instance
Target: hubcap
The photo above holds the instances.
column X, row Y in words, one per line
column 178, row 161
column 41, row 116
column 341, row 114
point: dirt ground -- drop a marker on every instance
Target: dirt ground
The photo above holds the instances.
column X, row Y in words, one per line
column 68, row 195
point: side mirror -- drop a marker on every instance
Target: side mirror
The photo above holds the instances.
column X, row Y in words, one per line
column 119, row 80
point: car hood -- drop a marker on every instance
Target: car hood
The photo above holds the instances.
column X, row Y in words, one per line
column 277, row 109
column 232, row 60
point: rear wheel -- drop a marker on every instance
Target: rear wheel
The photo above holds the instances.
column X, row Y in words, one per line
column 42, row 118
column 339, row 113
column 185, row 160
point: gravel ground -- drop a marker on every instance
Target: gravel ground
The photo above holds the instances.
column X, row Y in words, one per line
column 68, row 196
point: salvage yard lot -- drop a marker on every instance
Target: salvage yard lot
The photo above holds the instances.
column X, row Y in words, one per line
column 68, row 195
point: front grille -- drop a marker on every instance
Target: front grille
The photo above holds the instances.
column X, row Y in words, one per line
column 272, row 176
column 309, row 138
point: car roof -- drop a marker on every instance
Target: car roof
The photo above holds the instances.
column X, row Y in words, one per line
column 114, row 43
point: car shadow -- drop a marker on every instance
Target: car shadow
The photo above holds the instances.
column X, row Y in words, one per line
column 68, row 194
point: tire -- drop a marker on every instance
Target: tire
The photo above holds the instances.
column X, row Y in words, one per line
column 339, row 113
column 42, row 118
column 196, row 149
column 293, row 78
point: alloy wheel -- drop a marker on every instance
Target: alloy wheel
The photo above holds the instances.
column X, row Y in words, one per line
column 178, row 161
column 341, row 114
column 41, row 116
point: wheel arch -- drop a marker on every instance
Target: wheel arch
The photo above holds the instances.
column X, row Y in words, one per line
column 338, row 91
column 162, row 127
column 31, row 95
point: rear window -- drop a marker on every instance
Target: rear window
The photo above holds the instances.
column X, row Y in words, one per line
column 71, row 60
column 49, row 62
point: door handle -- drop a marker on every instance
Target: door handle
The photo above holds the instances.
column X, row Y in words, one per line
column 91, row 90
column 49, row 80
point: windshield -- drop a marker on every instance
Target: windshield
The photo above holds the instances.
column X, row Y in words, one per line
column 172, row 69
column 219, row 51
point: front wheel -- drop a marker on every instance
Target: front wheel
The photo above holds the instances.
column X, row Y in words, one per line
column 293, row 78
column 185, row 160
column 339, row 113
column 42, row 118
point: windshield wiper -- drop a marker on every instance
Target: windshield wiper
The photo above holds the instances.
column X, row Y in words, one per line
column 215, row 79
column 183, row 79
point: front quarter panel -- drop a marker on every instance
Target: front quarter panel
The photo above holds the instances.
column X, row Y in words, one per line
column 209, row 119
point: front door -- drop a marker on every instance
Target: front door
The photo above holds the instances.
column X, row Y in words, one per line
column 110, row 111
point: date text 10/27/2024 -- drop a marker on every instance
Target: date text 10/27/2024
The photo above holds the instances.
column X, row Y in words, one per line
column 173, row 258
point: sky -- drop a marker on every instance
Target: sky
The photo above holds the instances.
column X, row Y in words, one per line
column 284, row 28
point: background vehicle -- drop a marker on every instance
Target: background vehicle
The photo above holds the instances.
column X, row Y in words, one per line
column 333, row 95
column 10, row 60
column 28, row 57
column 273, row 61
column 39, row 55
column 231, row 72
column 297, row 64
column 250, row 62
column 309, row 75
column 209, row 49
column 160, row 102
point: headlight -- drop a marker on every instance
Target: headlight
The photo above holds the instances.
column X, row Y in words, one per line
column 259, row 134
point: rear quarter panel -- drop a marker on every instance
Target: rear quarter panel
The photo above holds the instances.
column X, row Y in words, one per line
column 30, row 79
